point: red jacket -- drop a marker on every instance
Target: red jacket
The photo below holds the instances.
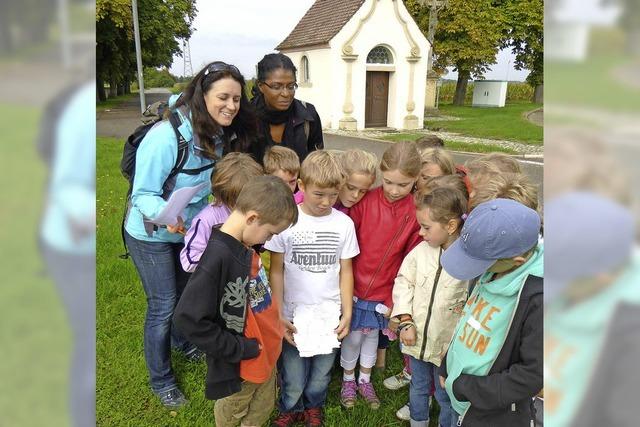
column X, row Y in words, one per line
column 386, row 233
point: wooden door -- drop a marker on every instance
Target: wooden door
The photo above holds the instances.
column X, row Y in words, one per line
column 377, row 99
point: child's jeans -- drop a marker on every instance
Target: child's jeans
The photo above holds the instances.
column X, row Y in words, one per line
column 305, row 380
column 422, row 380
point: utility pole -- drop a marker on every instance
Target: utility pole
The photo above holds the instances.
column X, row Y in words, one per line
column 65, row 38
column 186, row 53
column 136, row 33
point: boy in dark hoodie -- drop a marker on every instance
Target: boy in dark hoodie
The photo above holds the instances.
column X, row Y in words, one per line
column 227, row 311
column 494, row 365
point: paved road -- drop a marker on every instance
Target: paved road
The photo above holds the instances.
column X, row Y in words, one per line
column 120, row 122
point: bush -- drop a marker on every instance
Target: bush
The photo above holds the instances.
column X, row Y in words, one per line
column 516, row 91
column 158, row 78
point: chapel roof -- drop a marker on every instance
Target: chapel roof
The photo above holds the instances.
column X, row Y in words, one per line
column 321, row 23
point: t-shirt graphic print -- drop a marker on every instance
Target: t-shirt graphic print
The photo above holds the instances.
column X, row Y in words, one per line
column 314, row 251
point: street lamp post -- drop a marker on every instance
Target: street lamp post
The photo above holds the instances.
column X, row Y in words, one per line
column 136, row 33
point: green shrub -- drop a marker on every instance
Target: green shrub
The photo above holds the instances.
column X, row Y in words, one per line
column 158, row 78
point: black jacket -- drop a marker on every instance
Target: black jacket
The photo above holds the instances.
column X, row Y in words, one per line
column 504, row 396
column 294, row 136
column 612, row 393
column 211, row 312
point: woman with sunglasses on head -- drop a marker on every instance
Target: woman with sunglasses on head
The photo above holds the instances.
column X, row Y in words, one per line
column 282, row 119
column 215, row 118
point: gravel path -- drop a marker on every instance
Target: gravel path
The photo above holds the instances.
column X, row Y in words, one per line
column 446, row 136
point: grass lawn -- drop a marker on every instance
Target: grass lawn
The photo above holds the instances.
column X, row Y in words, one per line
column 453, row 145
column 591, row 84
column 123, row 394
column 114, row 102
column 507, row 123
column 35, row 360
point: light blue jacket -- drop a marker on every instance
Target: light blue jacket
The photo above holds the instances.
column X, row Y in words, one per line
column 70, row 211
column 155, row 158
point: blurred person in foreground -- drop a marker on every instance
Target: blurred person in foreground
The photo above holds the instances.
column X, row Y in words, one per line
column 592, row 310
column 68, row 232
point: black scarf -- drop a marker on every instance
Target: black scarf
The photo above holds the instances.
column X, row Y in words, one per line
column 268, row 116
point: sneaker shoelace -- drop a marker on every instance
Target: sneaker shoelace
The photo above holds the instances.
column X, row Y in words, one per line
column 349, row 389
column 286, row 419
column 368, row 392
column 314, row 416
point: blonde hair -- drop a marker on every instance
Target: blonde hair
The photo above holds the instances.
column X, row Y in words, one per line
column 359, row 161
column 404, row 157
column 231, row 174
column 271, row 198
column 439, row 157
column 321, row 168
column 514, row 186
column 283, row 158
column 453, row 181
column 503, row 162
column 444, row 204
column 480, row 171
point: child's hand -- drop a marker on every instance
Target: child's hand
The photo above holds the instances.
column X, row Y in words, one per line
column 178, row 228
column 394, row 322
column 289, row 330
column 408, row 336
column 343, row 327
column 441, row 381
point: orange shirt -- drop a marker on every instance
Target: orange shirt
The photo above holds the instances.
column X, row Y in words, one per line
column 263, row 324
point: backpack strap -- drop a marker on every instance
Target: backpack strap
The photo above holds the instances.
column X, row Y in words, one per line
column 170, row 182
column 306, row 123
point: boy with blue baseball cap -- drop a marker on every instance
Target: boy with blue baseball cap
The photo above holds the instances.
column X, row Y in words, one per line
column 494, row 365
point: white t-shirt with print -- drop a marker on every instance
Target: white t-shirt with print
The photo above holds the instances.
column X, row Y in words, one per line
column 312, row 251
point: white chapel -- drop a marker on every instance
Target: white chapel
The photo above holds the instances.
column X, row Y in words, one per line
column 362, row 63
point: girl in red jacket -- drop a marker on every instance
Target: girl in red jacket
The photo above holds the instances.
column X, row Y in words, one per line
column 387, row 230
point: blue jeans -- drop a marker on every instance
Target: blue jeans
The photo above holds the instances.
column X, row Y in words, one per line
column 424, row 375
column 304, row 380
column 163, row 280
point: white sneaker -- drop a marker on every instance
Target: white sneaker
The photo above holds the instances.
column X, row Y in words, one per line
column 397, row 381
column 404, row 413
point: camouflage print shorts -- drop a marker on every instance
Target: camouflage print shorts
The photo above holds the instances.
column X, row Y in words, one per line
column 251, row 406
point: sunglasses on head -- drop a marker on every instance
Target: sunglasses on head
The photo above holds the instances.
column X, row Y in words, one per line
column 214, row 67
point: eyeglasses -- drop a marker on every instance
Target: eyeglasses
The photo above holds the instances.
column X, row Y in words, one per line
column 214, row 67
column 279, row 87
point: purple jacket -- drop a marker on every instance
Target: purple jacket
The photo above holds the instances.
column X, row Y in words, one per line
column 197, row 237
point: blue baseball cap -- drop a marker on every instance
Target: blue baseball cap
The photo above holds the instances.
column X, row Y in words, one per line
column 587, row 235
column 497, row 229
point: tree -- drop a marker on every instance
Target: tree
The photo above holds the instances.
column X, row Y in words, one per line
column 468, row 37
column 25, row 23
column 162, row 26
column 431, row 9
column 525, row 35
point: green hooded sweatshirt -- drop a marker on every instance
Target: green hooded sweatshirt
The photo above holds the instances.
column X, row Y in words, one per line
column 485, row 323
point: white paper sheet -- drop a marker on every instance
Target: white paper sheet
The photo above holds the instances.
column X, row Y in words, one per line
column 175, row 205
column 315, row 325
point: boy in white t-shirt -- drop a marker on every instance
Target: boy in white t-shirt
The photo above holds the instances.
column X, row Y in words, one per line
column 311, row 265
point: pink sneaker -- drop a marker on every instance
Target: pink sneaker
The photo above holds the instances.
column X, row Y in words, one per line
column 366, row 390
column 348, row 394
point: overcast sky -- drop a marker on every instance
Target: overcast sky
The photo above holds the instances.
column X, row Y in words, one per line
column 241, row 32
